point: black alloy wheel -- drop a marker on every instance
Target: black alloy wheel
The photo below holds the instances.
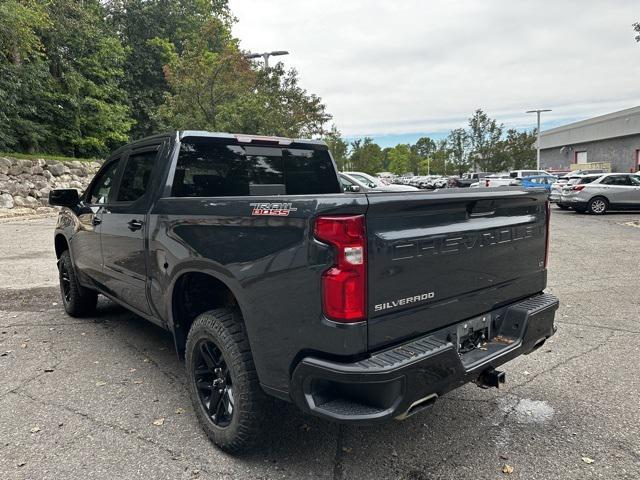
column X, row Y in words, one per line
column 222, row 380
column 78, row 301
column 214, row 383
column 65, row 282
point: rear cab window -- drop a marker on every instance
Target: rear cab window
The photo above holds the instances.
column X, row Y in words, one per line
column 209, row 168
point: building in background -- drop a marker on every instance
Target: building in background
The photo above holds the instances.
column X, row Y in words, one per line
column 608, row 141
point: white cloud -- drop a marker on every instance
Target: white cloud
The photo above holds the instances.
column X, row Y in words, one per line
column 423, row 66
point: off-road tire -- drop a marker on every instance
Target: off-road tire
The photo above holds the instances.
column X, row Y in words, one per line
column 224, row 327
column 78, row 301
column 598, row 206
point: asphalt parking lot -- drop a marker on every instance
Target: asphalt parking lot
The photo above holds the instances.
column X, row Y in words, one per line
column 105, row 397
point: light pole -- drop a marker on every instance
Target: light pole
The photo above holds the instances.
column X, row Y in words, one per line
column 266, row 56
column 539, row 111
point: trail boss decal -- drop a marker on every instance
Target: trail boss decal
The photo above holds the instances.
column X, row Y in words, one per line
column 404, row 301
column 272, row 209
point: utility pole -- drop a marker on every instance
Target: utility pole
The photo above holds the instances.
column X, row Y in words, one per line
column 266, row 56
column 539, row 111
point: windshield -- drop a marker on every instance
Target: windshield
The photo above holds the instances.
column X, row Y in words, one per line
column 364, row 178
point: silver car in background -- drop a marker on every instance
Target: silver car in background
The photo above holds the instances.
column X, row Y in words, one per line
column 362, row 182
column 562, row 190
column 611, row 191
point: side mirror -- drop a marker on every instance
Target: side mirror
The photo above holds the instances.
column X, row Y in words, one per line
column 64, row 197
column 353, row 188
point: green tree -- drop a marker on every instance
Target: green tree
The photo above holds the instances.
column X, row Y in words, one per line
column 400, row 159
column 145, row 27
column 213, row 86
column 423, row 149
column 20, row 21
column 338, row 147
column 484, row 136
column 459, row 146
column 86, row 63
column 366, row 156
column 25, row 109
column 208, row 81
column 520, row 149
column 278, row 105
column 636, row 28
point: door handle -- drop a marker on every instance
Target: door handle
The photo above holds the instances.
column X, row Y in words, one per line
column 95, row 221
column 135, row 225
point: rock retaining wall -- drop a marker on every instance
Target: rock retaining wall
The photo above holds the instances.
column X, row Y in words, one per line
column 25, row 184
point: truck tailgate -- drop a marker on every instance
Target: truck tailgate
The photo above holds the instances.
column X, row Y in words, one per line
column 437, row 258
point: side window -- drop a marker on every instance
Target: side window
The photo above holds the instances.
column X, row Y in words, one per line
column 617, row 180
column 635, row 180
column 136, row 175
column 102, row 187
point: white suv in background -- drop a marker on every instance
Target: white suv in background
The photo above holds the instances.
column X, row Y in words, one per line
column 612, row 191
column 528, row 173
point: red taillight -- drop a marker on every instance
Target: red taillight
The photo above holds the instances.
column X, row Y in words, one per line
column 546, row 249
column 486, row 183
column 344, row 285
column 577, row 188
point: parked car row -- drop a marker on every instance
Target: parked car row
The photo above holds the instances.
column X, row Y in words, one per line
column 583, row 191
column 363, row 182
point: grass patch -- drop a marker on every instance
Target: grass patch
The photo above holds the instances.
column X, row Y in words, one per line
column 35, row 156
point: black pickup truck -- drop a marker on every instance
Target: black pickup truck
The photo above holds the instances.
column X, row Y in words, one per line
column 356, row 307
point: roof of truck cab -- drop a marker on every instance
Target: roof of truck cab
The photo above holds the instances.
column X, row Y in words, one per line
column 203, row 133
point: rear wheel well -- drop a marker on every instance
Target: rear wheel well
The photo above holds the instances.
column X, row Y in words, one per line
column 195, row 293
column 61, row 245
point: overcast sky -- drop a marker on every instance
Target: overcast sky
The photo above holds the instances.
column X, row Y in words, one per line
column 398, row 69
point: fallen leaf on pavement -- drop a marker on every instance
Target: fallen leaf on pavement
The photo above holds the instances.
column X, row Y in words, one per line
column 159, row 422
column 138, row 382
column 588, row 460
column 100, row 383
column 35, row 429
column 131, row 370
column 347, row 449
column 24, row 345
column 526, row 373
column 146, row 360
column 48, row 370
column 508, row 469
column 180, row 410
